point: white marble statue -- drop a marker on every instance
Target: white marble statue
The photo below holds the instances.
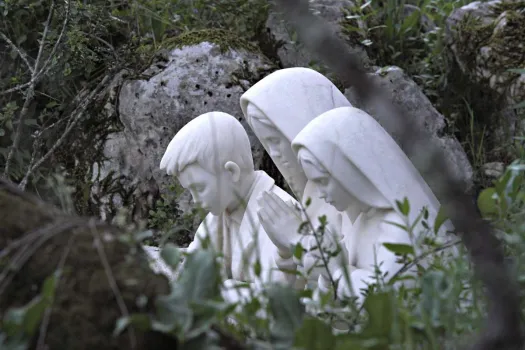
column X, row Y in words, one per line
column 359, row 169
column 211, row 157
column 277, row 108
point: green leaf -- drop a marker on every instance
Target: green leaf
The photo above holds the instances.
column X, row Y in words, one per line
column 517, row 70
column 380, row 308
column 308, row 202
column 173, row 313
column 140, row 321
column 257, row 268
column 440, row 219
column 30, row 122
column 520, row 105
column 410, row 22
column 314, row 335
column 51, row 104
column 35, row 310
column 486, row 202
column 403, row 227
column 404, row 207
column 13, row 319
column 298, row 251
column 401, row 249
column 287, row 311
column 140, row 236
column 200, row 278
column 170, row 253
column 198, row 282
column 49, row 287
column 349, row 341
column 29, row 316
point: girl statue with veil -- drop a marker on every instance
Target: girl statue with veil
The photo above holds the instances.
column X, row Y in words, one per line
column 277, row 108
column 360, row 170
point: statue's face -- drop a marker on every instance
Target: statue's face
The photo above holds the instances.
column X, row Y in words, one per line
column 329, row 188
column 277, row 145
column 212, row 192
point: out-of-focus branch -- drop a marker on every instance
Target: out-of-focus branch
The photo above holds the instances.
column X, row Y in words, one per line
column 504, row 331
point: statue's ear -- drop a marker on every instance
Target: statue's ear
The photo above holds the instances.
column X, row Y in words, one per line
column 234, row 170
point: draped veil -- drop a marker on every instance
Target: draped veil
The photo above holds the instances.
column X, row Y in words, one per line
column 348, row 136
column 290, row 98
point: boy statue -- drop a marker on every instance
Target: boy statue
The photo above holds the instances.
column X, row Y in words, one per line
column 211, row 157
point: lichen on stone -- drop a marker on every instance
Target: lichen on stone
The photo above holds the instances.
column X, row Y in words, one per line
column 489, row 50
column 224, row 39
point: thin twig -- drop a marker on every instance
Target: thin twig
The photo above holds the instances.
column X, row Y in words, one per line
column 29, row 95
column 47, row 315
column 20, row 52
column 77, row 116
column 58, row 41
column 319, row 245
column 423, row 256
column 44, row 35
column 27, row 238
column 111, row 280
column 27, row 251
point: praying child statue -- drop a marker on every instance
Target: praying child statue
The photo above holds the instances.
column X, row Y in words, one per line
column 211, row 157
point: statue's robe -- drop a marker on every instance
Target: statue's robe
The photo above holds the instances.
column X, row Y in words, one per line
column 240, row 238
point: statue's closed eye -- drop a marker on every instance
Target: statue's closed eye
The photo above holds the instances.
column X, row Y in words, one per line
column 198, row 188
column 323, row 181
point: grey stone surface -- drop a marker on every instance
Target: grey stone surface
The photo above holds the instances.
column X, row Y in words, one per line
column 493, row 170
column 187, row 82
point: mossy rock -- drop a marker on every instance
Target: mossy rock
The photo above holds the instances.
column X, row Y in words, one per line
column 488, row 49
column 93, row 258
column 224, row 39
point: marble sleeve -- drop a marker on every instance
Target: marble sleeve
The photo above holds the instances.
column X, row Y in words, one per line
column 206, row 230
column 360, row 278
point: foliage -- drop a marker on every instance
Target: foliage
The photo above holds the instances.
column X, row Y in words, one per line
column 411, row 34
column 171, row 223
column 408, row 34
column 21, row 324
column 56, row 52
column 441, row 306
column 439, row 311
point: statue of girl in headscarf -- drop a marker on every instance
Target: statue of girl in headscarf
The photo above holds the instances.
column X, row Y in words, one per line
column 360, row 170
column 277, row 108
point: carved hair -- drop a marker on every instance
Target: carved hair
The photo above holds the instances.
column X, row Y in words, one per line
column 210, row 140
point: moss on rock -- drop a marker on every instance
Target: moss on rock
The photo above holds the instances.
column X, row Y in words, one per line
column 491, row 48
column 224, row 39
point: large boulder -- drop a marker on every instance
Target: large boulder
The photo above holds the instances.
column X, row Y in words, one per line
column 202, row 71
column 486, row 41
column 404, row 92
